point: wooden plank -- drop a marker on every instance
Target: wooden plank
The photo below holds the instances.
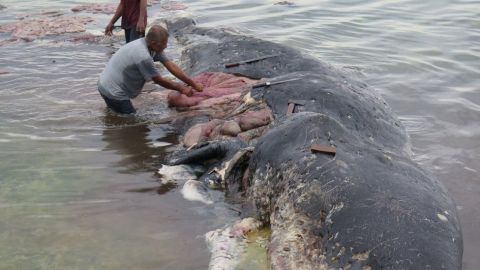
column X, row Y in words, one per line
column 297, row 102
column 321, row 148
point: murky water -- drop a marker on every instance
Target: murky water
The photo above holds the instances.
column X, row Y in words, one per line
column 79, row 188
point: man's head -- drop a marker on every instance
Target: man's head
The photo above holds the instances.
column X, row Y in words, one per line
column 157, row 38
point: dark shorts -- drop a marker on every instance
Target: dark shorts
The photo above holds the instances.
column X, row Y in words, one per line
column 119, row 106
column 131, row 34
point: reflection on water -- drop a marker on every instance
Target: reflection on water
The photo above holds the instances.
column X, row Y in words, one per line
column 139, row 145
column 133, row 139
column 162, row 189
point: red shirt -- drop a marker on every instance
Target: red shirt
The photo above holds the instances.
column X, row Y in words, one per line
column 131, row 13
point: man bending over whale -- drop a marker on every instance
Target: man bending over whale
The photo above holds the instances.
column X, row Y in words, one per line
column 133, row 65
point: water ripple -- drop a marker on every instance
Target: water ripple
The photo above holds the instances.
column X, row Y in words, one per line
column 422, row 56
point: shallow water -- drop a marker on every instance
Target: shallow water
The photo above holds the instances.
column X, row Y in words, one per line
column 79, row 188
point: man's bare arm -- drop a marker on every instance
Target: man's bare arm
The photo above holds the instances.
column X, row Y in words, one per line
column 169, row 84
column 118, row 14
column 178, row 72
column 141, row 18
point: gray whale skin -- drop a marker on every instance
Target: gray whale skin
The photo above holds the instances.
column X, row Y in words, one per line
column 367, row 207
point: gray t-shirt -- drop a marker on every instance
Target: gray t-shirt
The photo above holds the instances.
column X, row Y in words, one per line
column 128, row 70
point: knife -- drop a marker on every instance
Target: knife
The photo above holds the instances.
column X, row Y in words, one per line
column 268, row 83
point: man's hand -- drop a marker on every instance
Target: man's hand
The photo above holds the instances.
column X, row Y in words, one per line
column 109, row 29
column 187, row 91
column 197, row 87
column 141, row 26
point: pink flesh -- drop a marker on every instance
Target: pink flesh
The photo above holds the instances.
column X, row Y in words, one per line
column 219, row 86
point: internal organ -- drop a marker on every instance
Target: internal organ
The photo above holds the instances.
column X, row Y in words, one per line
column 219, row 88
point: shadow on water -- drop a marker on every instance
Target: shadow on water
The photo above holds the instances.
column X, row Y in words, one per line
column 141, row 145
column 160, row 190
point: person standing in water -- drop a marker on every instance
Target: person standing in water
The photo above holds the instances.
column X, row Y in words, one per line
column 134, row 19
column 133, row 65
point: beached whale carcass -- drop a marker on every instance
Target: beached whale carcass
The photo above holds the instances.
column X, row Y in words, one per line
column 367, row 205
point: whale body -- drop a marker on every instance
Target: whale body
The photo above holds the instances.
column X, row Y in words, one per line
column 367, row 206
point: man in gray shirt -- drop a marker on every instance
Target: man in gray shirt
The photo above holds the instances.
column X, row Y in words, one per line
column 133, row 65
